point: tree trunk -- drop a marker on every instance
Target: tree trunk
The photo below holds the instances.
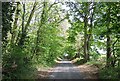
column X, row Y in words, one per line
column 24, row 30
column 113, row 51
column 108, row 50
column 86, row 56
column 23, row 20
column 90, row 31
column 85, row 39
column 42, row 22
column 108, row 40
column 15, row 24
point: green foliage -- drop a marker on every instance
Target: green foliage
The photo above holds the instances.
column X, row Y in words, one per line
column 80, row 62
column 32, row 40
column 100, row 33
column 70, row 50
column 40, row 47
column 7, row 13
column 109, row 73
column 18, row 64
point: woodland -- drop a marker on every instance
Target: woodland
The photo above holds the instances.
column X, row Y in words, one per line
column 35, row 34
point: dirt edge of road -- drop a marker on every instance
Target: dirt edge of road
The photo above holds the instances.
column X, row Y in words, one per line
column 89, row 71
column 44, row 73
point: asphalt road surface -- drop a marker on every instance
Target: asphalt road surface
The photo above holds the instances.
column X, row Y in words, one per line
column 65, row 70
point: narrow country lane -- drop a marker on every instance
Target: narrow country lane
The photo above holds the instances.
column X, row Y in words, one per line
column 65, row 70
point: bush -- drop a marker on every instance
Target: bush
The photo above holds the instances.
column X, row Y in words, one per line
column 108, row 73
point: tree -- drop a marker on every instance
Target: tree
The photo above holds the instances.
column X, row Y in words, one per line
column 85, row 12
column 7, row 13
column 24, row 28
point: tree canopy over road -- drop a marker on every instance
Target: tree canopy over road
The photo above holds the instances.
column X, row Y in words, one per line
column 36, row 34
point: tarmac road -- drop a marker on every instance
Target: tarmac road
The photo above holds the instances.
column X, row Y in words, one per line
column 65, row 70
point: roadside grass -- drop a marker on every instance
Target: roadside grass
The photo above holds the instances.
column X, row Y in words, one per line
column 44, row 68
column 109, row 73
column 100, row 63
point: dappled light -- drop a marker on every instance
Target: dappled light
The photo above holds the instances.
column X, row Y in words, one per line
column 60, row 40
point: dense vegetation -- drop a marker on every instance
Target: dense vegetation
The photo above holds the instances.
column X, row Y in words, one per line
column 32, row 36
column 95, row 34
